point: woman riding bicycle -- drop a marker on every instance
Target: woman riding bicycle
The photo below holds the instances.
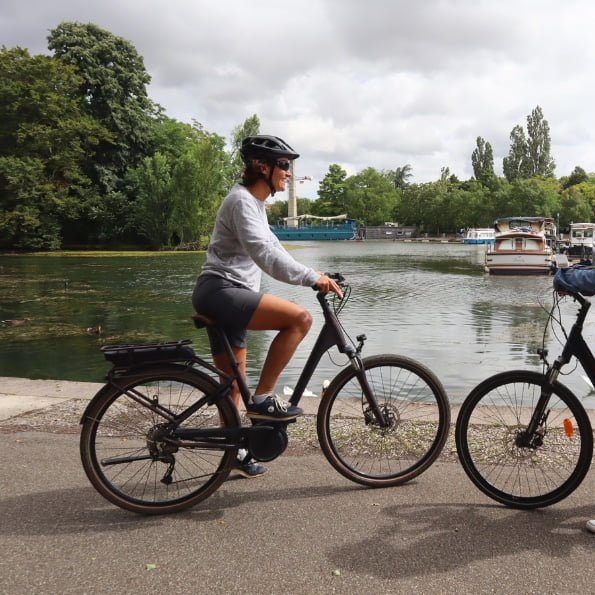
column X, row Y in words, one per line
column 228, row 286
column 572, row 280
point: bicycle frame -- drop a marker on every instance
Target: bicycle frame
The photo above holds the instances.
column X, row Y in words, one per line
column 330, row 335
column 575, row 347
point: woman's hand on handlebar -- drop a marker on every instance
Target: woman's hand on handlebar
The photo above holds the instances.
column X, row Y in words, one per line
column 326, row 284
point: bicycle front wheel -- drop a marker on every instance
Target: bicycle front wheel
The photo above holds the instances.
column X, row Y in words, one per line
column 414, row 403
column 502, row 461
column 133, row 463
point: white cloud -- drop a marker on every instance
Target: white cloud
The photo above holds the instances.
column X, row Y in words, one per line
column 379, row 83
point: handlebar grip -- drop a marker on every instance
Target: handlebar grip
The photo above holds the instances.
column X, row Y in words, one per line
column 338, row 277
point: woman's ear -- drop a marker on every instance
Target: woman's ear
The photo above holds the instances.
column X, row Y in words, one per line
column 262, row 167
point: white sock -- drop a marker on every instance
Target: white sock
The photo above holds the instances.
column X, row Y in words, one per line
column 260, row 398
column 242, row 452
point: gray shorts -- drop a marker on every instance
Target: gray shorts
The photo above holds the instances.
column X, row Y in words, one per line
column 230, row 304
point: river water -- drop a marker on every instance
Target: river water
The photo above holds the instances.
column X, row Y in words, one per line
column 430, row 301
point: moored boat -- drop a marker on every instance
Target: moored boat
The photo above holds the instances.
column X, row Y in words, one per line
column 326, row 228
column 581, row 240
column 480, row 235
column 542, row 225
column 522, row 246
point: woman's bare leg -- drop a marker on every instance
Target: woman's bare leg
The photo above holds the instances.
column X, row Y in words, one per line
column 293, row 324
column 222, row 362
column 244, row 466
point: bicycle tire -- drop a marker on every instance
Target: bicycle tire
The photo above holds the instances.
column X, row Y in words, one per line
column 488, row 423
column 415, row 402
column 115, row 425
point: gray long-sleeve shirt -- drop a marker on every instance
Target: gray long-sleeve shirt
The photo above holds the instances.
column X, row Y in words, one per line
column 242, row 245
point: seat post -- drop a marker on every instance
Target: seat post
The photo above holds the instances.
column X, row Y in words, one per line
column 233, row 362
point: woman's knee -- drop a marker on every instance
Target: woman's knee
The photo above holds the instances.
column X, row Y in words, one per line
column 275, row 313
column 304, row 321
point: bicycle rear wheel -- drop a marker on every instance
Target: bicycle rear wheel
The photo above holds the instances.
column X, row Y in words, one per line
column 488, row 436
column 136, row 467
column 416, row 406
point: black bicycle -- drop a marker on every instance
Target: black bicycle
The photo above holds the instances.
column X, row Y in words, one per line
column 523, row 438
column 163, row 433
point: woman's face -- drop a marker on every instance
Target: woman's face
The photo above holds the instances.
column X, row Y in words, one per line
column 281, row 173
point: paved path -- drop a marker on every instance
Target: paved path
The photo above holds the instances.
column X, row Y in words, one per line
column 21, row 395
column 301, row 528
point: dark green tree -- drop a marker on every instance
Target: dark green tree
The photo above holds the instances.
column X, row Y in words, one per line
column 528, row 197
column 250, row 127
column 199, row 184
column 530, row 154
column 172, row 138
column 46, row 138
column 515, row 165
column 539, row 158
column 482, row 160
column 332, row 192
column 402, row 176
column 114, row 85
column 154, row 205
column 577, row 204
column 277, row 211
column 577, row 176
column 371, row 197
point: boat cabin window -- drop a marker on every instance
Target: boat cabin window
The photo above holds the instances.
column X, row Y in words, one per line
column 582, row 233
column 531, row 244
column 519, row 244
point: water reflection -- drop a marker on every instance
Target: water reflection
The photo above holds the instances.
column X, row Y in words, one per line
column 432, row 302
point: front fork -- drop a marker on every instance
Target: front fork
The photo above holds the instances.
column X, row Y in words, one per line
column 360, row 372
column 533, row 436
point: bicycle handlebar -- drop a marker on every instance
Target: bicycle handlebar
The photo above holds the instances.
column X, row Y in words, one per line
column 338, row 277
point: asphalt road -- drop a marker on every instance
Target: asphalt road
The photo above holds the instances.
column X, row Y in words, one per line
column 301, row 528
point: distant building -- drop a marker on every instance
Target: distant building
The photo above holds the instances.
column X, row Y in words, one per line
column 388, row 231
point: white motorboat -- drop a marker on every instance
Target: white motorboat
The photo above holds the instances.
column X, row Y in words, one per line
column 480, row 235
column 523, row 246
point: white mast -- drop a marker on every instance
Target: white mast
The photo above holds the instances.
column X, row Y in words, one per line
column 292, row 214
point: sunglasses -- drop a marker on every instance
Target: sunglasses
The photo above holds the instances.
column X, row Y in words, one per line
column 283, row 164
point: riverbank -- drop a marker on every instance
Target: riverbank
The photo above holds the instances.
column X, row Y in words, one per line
column 19, row 396
column 58, row 404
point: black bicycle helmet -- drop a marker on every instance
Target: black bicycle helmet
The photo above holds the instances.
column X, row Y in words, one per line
column 265, row 147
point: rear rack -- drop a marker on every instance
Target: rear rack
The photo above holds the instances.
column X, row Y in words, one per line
column 127, row 355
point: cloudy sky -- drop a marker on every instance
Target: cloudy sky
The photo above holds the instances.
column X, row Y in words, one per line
column 379, row 83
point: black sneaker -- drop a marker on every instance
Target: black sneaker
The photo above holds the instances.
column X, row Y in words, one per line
column 248, row 470
column 273, row 408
